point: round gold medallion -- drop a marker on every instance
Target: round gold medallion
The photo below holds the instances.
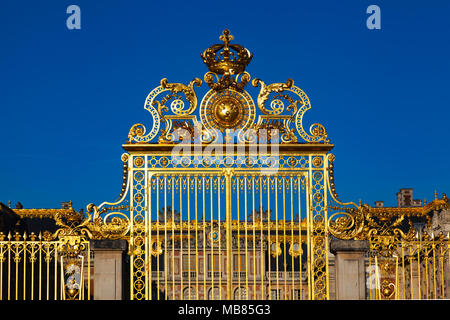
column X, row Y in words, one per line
column 227, row 112
column 227, row 109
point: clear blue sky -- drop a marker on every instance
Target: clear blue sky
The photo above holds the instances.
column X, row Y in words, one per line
column 69, row 97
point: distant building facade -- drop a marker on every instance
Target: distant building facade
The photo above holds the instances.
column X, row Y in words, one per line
column 191, row 264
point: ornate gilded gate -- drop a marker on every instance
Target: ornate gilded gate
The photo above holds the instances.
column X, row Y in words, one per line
column 228, row 229
column 47, row 266
column 228, row 199
column 228, row 203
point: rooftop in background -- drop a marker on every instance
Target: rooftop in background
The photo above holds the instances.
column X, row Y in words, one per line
column 404, row 199
column 36, row 220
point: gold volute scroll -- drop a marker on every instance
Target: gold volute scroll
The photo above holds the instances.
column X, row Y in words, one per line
column 188, row 92
column 267, row 89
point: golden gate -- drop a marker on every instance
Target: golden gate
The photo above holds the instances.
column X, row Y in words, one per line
column 228, row 198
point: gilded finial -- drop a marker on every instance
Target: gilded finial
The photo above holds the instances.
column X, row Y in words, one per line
column 226, row 37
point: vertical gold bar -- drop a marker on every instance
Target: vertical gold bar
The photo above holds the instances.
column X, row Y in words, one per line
column 434, row 269
column 220, row 240
column 252, row 177
column 311, row 235
column 82, row 279
column 131, row 242
column 213, row 260
column 246, row 240
column 89, row 271
column 172, row 179
column 229, row 235
column 396, row 278
column 166, row 264
column 204, row 237
column 268, row 234
column 238, row 240
column 61, row 291
column 148, row 262
column 48, row 270
column 292, row 238
column 33, row 254
column 40, row 266
column 284, row 236
column 448, row 250
column 370, row 265
column 1, row 271
column 56, row 277
column 262, row 263
column 196, row 237
column 377, row 279
column 441, row 259
column 308, row 235
column 418, row 268
column 411, row 258
column 300, row 236
column 157, row 235
column 403, row 271
column 9, row 267
column 276, row 236
column 24, row 267
column 325, row 207
column 181, row 236
column 189, row 234
column 16, row 255
column 426, row 272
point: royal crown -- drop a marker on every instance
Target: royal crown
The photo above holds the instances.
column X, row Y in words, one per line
column 232, row 59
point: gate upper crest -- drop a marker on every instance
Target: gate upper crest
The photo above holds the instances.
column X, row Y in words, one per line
column 226, row 106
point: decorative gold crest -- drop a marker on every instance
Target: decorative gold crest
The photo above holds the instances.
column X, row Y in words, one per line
column 227, row 105
column 227, row 109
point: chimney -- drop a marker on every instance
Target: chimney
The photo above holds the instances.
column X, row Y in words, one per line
column 379, row 204
column 66, row 204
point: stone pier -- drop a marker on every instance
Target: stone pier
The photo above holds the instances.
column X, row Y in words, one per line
column 108, row 255
column 350, row 268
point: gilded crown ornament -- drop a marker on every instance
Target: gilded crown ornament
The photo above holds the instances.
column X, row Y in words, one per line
column 226, row 61
column 232, row 60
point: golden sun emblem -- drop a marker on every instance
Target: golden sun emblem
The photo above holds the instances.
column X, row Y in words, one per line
column 227, row 109
column 227, row 113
